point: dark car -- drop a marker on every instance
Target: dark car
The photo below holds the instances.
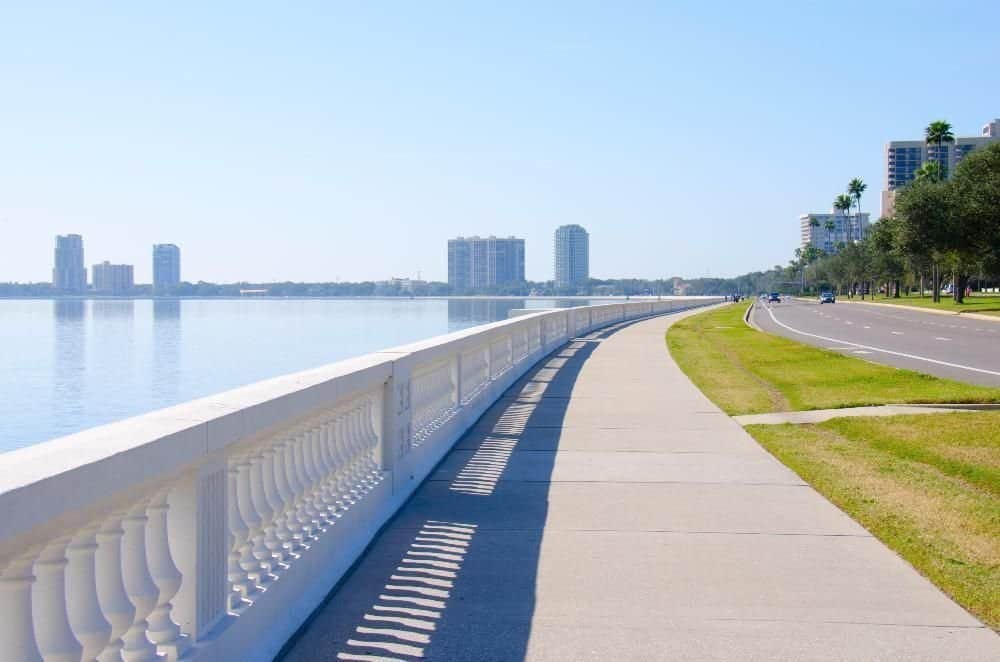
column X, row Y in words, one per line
column 774, row 296
column 827, row 297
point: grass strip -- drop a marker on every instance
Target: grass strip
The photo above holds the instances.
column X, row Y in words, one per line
column 927, row 486
column 988, row 305
column 749, row 372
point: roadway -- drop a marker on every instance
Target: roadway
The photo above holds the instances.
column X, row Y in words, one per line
column 942, row 345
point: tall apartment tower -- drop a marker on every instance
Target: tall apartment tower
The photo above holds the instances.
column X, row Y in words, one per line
column 166, row 266
column 572, row 256
column 476, row 263
column 904, row 157
column 113, row 278
column 68, row 273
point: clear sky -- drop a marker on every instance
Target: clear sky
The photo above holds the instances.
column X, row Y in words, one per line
column 348, row 141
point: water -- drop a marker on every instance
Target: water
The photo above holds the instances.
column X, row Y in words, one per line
column 67, row 364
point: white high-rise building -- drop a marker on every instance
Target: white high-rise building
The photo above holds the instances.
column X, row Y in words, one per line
column 833, row 229
column 113, row 278
column 166, row 266
column 571, row 256
column 904, row 157
column 478, row 263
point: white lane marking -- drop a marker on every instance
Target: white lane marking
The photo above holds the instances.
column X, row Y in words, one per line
column 939, row 338
column 897, row 333
column 861, row 351
column 839, row 348
column 848, row 322
column 867, row 327
column 884, row 351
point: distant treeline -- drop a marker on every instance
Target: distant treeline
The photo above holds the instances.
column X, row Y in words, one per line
column 594, row 287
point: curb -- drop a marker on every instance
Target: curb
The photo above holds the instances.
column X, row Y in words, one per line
column 747, row 318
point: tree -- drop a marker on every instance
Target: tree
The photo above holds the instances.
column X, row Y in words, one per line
column 843, row 203
column 937, row 133
column 855, row 188
column 923, row 214
column 975, row 189
column 930, row 170
column 830, row 226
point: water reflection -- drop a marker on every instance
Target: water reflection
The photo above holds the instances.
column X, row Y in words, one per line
column 480, row 311
column 111, row 309
column 166, row 350
column 69, row 318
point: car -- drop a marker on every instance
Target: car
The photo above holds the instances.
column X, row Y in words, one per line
column 774, row 297
column 827, row 297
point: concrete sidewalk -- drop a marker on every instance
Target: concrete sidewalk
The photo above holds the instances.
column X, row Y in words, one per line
column 606, row 510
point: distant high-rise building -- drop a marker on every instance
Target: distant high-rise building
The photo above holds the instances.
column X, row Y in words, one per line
column 166, row 266
column 112, row 278
column 572, row 256
column 904, row 157
column 68, row 273
column 829, row 240
column 476, row 263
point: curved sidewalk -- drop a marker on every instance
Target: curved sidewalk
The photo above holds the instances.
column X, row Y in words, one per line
column 604, row 509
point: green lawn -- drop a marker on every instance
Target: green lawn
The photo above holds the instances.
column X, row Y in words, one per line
column 748, row 372
column 989, row 305
column 927, row 486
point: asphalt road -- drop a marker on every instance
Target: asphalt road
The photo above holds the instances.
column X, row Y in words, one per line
column 942, row 345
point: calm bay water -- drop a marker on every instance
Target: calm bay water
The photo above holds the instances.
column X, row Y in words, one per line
column 67, row 365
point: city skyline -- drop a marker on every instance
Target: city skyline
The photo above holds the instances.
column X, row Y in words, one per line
column 433, row 123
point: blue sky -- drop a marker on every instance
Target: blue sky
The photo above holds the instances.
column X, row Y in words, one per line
column 321, row 141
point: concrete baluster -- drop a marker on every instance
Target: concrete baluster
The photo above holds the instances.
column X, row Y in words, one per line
column 115, row 605
column 241, row 586
column 53, row 633
column 274, row 525
column 262, row 551
column 17, row 633
column 254, row 542
column 163, row 631
column 293, row 523
column 371, row 433
column 286, row 526
column 314, row 474
column 139, row 586
column 305, row 513
column 328, row 483
column 90, row 627
column 357, row 451
column 345, row 497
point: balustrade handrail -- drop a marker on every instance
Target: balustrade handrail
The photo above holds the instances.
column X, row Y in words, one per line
column 214, row 527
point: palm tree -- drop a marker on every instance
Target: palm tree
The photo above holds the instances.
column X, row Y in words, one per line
column 854, row 189
column 844, row 202
column 813, row 223
column 830, row 227
column 929, row 170
column 937, row 133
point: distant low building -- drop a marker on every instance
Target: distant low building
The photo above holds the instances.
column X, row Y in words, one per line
column 114, row 279
column 828, row 231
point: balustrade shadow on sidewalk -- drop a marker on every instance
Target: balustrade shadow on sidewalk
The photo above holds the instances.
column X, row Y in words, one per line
column 453, row 575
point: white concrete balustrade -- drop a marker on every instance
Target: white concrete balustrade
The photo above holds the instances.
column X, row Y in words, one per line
column 212, row 529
